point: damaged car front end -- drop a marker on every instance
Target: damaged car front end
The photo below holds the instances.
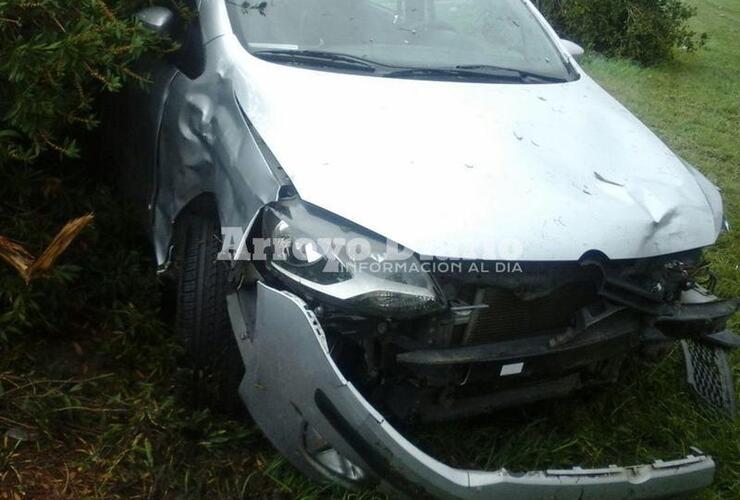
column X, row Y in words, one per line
column 420, row 218
column 338, row 344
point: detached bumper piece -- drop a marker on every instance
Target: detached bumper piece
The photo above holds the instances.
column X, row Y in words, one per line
column 709, row 374
column 701, row 319
column 326, row 428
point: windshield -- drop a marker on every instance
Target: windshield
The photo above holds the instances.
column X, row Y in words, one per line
column 463, row 37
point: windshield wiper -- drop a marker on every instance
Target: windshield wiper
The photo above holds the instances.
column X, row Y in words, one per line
column 457, row 73
column 318, row 58
column 477, row 72
column 523, row 74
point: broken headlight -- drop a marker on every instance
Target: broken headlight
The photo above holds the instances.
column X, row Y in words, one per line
column 344, row 263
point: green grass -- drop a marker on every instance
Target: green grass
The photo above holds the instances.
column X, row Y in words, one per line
column 95, row 388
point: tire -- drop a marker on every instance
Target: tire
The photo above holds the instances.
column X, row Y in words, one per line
column 213, row 366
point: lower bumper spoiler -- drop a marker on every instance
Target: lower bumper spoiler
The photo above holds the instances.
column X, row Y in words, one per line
column 294, row 391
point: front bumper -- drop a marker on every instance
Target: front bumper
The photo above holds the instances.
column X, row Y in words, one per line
column 293, row 390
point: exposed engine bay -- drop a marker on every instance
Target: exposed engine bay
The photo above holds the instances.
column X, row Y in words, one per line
column 515, row 333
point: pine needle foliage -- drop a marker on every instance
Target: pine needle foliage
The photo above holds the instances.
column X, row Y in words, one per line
column 56, row 57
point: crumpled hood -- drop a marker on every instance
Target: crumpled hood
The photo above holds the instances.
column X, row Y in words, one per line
column 481, row 171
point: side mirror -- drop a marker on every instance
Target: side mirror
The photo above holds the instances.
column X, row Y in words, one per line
column 160, row 20
column 575, row 50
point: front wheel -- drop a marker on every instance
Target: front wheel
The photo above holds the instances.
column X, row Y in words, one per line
column 211, row 356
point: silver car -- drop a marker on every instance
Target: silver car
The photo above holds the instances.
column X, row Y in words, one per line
column 396, row 211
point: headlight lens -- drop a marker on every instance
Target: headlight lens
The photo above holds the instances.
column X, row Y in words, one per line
column 346, row 264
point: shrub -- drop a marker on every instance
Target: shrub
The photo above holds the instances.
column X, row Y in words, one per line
column 644, row 30
column 102, row 279
column 55, row 57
